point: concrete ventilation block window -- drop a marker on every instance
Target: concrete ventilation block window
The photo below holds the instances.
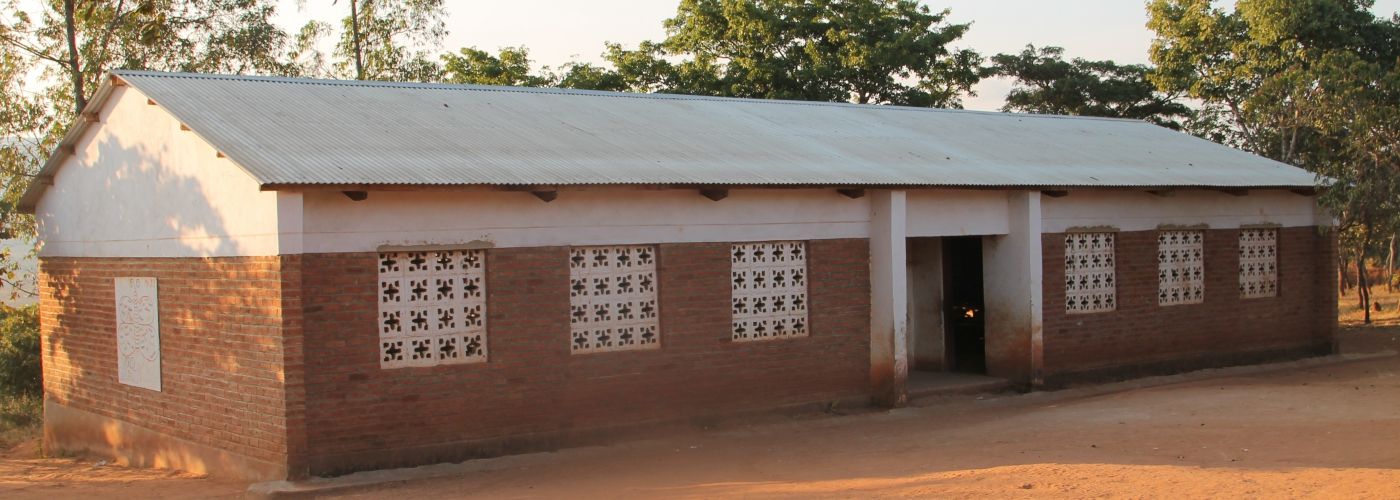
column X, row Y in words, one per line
column 1181, row 270
column 769, row 284
column 612, row 299
column 1090, row 278
column 432, row 308
column 1258, row 263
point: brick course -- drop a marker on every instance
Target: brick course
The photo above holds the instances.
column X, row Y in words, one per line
column 360, row 416
column 223, row 350
column 1140, row 334
column 275, row 359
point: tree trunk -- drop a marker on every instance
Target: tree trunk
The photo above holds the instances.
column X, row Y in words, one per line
column 71, row 32
column 1363, row 289
column 355, row 36
column 1343, row 278
column 1390, row 266
column 1363, row 282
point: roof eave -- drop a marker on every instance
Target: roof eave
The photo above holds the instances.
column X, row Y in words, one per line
column 1308, row 189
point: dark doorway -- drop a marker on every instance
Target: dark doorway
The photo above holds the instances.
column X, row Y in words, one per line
column 965, row 336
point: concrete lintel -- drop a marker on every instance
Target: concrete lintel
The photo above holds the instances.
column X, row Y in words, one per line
column 889, row 298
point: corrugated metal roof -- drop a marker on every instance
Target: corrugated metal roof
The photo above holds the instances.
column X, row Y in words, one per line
column 299, row 131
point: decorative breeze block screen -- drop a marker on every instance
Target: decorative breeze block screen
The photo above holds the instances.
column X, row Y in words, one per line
column 1181, row 275
column 1090, row 280
column 432, row 308
column 612, row 299
column 769, row 282
column 1258, row 263
column 138, row 332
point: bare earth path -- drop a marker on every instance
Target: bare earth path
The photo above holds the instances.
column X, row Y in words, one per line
column 1323, row 431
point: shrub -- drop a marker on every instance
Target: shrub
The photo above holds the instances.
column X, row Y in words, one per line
column 20, row 374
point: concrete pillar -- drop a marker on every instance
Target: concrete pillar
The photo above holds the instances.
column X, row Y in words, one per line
column 289, row 223
column 1014, row 295
column 889, row 303
column 926, row 343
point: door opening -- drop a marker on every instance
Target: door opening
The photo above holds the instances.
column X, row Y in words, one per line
column 965, row 333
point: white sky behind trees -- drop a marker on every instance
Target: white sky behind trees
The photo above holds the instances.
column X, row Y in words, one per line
column 561, row 30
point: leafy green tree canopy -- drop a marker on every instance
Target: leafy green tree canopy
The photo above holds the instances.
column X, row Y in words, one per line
column 1046, row 83
column 511, row 67
column 866, row 51
column 20, row 372
column 1244, row 63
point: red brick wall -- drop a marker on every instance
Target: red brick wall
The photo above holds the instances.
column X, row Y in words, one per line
column 1140, row 332
column 360, row 416
column 222, row 348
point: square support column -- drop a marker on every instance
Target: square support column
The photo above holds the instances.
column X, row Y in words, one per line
column 889, row 299
column 1012, row 268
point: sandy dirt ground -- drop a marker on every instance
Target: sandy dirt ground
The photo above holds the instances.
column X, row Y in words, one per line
column 1323, row 431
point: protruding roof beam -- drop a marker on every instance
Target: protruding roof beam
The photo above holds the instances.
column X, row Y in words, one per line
column 1164, row 193
column 715, row 194
column 1234, row 191
column 545, row 196
column 1304, row 191
column 1055, row 193
column 852, row 193
column 356, row 195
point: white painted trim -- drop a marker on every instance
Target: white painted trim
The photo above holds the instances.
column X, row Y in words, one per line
column 943, row 212
column 1141, row 211
column 334, row 223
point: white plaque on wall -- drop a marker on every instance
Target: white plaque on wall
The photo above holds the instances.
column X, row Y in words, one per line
column 138, row 333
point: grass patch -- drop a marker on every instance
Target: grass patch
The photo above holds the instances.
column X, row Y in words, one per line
column 1349, row 312
column 21, row 417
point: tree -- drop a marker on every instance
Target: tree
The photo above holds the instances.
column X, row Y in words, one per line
column 510, row 67
column 867, row 51
column 389, row 40
column 20, row 371
column 1241, row 64
column 1307, row 82
column 1046, row 83
column 577, row 75
column 1353, row 108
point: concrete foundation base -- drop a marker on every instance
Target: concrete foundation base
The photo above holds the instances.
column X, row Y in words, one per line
column 1187, row 364
column 70, row 431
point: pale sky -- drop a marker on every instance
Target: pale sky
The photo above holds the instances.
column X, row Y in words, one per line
column 558, row 31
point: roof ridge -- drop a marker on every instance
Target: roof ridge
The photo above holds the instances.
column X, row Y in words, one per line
column 589, row 93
